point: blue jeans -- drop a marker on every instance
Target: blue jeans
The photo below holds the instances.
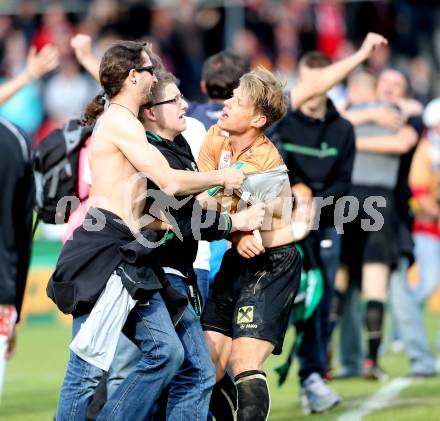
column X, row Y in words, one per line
column 162, row 355
column 203, row 282
column 408, row 315
column 331, row 243
column 79, row 383
column 190, row 389
column 124, row 362
column 350, row 340
column 313, row 350
column 427, row 252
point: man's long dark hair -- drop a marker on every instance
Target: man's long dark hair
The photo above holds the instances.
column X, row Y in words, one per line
column 115, row 66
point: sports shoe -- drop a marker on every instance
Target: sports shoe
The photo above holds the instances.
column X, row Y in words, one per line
column 316, row 396
column 372, row 371
column 305, row 404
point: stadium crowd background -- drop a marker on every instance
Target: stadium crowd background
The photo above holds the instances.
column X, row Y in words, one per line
column 184, row 33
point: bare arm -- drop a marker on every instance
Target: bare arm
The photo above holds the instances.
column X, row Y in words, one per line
column 82, row 46
column 37, row 65
column 321, row 80
column 420, row 180
column 157, row 225
column 398, row 144
column 382, row 116
column 428, row 207
column 131, row 140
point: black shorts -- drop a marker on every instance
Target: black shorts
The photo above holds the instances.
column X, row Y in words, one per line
column 253, row 298
column 360, row 246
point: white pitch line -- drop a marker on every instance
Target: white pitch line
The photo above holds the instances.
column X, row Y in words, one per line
column 381, row 399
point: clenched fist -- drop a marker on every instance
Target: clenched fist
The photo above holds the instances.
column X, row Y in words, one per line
column 371, row 43
column 82, row 46
column 232, row 178
column 249, row 219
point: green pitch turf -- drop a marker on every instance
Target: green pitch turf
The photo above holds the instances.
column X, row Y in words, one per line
column 34, row 376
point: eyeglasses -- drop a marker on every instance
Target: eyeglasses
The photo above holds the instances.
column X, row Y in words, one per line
column 149, row 69
column 178, row 99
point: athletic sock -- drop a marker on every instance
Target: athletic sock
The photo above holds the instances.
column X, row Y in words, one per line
column 223, row 403
column 373, row 323
column 252, row 396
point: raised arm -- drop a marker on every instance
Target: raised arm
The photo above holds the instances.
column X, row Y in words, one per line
column 37, row 65
column 321, row 80
column 131, row 140
column 82, row 46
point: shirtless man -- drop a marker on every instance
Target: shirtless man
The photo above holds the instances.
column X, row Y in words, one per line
column 119, row 151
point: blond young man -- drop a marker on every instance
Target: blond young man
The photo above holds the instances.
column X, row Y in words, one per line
column 247, row 311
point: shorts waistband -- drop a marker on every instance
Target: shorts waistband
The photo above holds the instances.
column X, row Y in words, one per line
column 280, row 248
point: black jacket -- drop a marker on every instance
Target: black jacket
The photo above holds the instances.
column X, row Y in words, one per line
column 100, row 246
column 17, row 194
column 190, row 218
column 318, row 153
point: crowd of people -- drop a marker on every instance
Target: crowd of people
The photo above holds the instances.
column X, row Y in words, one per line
column 244, row 191
column 276, row 36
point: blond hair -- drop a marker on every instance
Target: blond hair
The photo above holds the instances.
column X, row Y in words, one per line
column 266, row 94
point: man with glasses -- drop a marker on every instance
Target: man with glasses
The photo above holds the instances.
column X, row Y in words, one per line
column 164, row 119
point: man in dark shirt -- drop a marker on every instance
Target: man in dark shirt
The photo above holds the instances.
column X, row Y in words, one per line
column 220, row 76
column 318, row 148
column 17, row 198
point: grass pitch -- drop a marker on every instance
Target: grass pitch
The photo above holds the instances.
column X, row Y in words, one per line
column 34, row 376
